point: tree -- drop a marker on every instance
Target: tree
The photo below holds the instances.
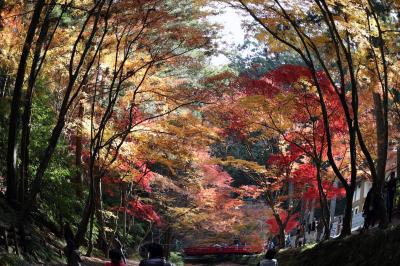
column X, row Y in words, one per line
column 348, row 45
column 280, row 105
column 291, row 110
column 12, row 178
column 46, row 30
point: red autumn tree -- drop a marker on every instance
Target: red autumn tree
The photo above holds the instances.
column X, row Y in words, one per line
column 292, row 110
column 282, row 109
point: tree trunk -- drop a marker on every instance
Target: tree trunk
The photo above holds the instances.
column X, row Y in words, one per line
column 167, row 242
column 382, row 147
column 1, row 20
column 282, row 226
column 89, row 210
column 102, row 237
column 333, row 203
column 124, row 205
column 398, row 167
column 346, row 225
column 26, row 116
column 90, row 244
column 78, row 180
column 281, row 237
column 15, row 236
column 12, row 176
column 323, row 201
column 87, row 214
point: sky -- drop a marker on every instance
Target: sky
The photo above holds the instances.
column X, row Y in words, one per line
column 232, row 34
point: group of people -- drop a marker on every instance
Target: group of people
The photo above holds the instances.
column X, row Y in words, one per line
column 312, row 232
column 301, row 231
column 371, row 204
column 153, row 252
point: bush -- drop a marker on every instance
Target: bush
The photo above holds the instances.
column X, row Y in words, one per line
column 12, row 260
column 176, row 258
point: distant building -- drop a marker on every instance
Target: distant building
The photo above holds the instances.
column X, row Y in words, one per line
column 364, row 185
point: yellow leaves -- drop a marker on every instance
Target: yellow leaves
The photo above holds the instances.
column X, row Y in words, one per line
column 321, row 40
column 261, row 36
column 253, row 102
column 243, row 164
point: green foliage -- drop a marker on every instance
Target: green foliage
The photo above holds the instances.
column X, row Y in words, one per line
column 12, row 260
column 260, row 150
column 176, row 258
column 135, row 236
column 58, row 197
column 250, row 260
column 66, row 19
column 4, row 111
column 43, row 120
column 253, row 59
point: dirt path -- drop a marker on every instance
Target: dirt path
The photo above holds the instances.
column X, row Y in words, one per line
column 100, row 262
column 218, row 264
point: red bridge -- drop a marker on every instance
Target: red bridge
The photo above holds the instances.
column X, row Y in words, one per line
column 242, row 250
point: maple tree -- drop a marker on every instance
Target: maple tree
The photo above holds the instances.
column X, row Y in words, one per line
column 279, row 105
column 298, row 120
column 351, row 32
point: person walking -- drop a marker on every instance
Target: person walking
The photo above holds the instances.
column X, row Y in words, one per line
column 70, row 250
column 270, row 244
column 300, row 237
column 313, row 232
column 369, row 210
column 116, row 258
column 118, row 246
column 320, row 230
column 288, row 241
column 269, row 259
column 303, row 235
column 390, row 194
column 155, row 256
